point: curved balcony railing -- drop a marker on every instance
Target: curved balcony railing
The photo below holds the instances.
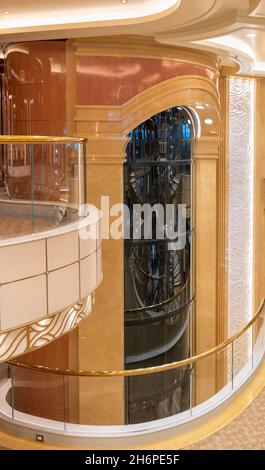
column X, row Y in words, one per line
column 42, row 183
column 212, row 378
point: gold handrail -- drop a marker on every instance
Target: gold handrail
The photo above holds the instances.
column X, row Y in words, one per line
column 39, row 139
column 148, row 370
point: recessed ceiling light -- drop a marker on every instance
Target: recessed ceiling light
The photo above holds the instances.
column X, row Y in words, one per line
column 200, row 106
column 251, row 35
column 7, row 12
column 209, row 122
column 124, row 2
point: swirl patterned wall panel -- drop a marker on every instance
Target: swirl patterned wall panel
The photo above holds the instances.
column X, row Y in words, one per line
column 240, row 245
column 26, row 339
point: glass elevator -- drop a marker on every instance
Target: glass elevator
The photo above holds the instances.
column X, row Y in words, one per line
column 158, row 279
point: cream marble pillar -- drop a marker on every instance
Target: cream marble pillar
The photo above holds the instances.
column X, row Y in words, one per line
column 101, row 339
column 206, row 154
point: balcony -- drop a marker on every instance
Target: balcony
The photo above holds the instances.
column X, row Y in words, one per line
column 56, row 421
column 50, row 247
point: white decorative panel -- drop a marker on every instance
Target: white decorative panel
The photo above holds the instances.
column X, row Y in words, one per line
column 62, row 250
column 88, row 274
column 88, row 245
column 63, row 288
column 42, row 277
column 22, row 261
column 240, row 223
column 23, row 301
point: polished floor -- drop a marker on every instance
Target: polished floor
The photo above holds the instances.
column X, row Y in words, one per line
column 13, row 226
column 247, row 432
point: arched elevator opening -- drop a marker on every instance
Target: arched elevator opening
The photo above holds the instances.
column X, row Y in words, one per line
column 158, row 273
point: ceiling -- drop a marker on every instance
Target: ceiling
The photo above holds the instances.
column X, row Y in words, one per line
column 235, row 29
column 16, row 14
column 259, row 10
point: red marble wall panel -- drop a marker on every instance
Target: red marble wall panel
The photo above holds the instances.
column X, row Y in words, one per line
column 36, row 86
column 35, row 103
column 115, row 80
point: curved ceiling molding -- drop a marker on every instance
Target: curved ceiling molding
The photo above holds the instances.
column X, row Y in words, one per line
column 238, row 50
column 192, row 12
column 236, row 32
column 258, row 8
column 111, row 17
column 244, row 44
column 28, row 14
column 223, row 17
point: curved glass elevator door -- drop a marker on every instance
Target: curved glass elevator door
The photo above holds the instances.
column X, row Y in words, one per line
column 158, row 285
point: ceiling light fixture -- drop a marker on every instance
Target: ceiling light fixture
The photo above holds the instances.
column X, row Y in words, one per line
column 209, row 122
column 200, row 106
column 251, row 35
column 124, row 2
column 7, row 12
